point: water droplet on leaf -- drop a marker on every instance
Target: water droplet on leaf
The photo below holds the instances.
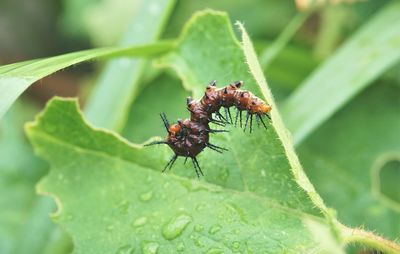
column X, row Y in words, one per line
column 198, row 228
column 236, row 245
column 215, row 251
column 150, row 247
column 146, row 196
column 180, row 247
column 124, row 206
column 214, row 229
column 126, row 249
column 223, row 175
column 175, row 226
column 139, row 222
column 110, row 228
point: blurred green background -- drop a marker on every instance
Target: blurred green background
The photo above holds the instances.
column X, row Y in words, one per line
column 352, row 155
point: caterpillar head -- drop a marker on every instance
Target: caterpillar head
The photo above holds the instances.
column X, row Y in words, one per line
column 258, row 106
column 174, row 129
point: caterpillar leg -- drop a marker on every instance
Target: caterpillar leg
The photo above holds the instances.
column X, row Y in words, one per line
column 221, row 117
column 216, row 131
column 237, row 116
column 165, row 121
column 216, row 148
column 240, row 117
column 197, row 167
column 251, row 122
column 247, row 121
column 170, row 163
column 156, row 143
column 228, row 114
column 262, row 121
column 258, row 121
column 217, row 122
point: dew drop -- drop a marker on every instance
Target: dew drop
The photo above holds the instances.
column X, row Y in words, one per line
column 175, row 226
column 236, row 245
column 215, row 251
column 201, row 207
column 198, row 228
column 124, row 206
column 223, row 175
column 126, row 249
column 150, row 247
column 146, row 196
column 139, row 222
column 180, row 247
column 110, row 228
column 198, row 243
column 214, row 229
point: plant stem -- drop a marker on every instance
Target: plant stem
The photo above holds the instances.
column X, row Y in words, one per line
column 355, row 235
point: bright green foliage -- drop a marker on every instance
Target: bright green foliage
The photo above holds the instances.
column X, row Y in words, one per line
column 112, row 96
column 342, row 167
column 113, row 198
column 16, row 78
column 111, row 195
column 274, row 178
column 144, row 118
column 23, row 213
column 355, row 65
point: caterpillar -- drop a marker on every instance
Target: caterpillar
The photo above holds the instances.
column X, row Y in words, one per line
column 189, row 137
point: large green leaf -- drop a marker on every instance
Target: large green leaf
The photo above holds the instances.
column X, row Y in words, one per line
column 16, row 78
column 119, row 83
column 361, row 144
column 365, row 56
column 113, row 198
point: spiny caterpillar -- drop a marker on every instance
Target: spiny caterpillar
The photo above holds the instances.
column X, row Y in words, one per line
column 189, row 137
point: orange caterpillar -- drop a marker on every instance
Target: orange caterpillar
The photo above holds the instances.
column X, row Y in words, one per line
column 189, row 137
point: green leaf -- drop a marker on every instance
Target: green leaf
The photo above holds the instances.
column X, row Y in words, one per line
column 16, row 78
column 353, row 168
column 124, row 202
column 363, row 58
column 112, row 196
column 144, row 121
column 193, row 65
column 119, row 83
column 23, row 213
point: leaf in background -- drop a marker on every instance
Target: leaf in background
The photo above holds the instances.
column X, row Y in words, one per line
column 16, row 78
column 144, row 118
column 364, row 57
column 23, row 214
column 263, row 18
column 342, row 166
column 142, row 209
column 110, row 100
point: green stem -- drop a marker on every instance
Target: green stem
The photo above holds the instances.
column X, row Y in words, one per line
column 355, row 235
column 290, row 30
